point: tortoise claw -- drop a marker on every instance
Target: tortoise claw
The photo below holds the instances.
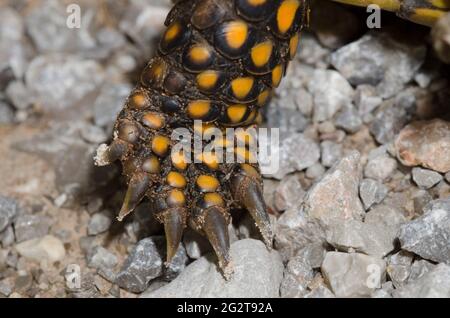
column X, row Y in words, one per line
column 137, row 188
column 174, row 220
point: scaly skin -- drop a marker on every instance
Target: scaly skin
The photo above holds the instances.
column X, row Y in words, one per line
column 218, row 61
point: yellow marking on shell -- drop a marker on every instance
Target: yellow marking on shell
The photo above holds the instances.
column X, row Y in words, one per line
column 442, row 4
column 213, row 199
column 250, row 170
column 172, row 32
column 236, row 113
column 207, row 183
column 153, row 120
column 204, row 128
column 199, row 54
column 245, row 155
column 242, row 86
column 261, row 53
column 256, row 3
column 176, row 180
column 176, row 198
column 263, row 97
column 138, row 100
column 236, row 34
column 293, row 45
column 179, row 160
column 207, row 80
column 210, row 160
column 151, row 165
column 198, row 108
column 160, row 145
column 426, row 16
column 286, row 14
column 277, row 75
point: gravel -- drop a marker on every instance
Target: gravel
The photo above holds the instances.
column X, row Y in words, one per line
column 8, row 211
column 28, row 227
column 372, row 192
column 428, row 235
column 425, row 178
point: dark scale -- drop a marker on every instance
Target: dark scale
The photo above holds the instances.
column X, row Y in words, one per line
column 218, row 61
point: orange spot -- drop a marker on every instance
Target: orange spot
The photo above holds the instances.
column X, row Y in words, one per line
column 256, row 3
column 179, row 160
column 213, row 199
column 293, row 45
column 210, row 160
column 176, row 180
column 198, row 109
column 160, row 145
column 207, row 80
column 176, row 198
column 153, row 120
column 207, row 183
column 138, row 100
column 261, row 53
column 236, row 113
column 151, row 165
column 277, row 75
column 172, row 32
column 242, row 86
column 263, row 97
column 236, row 33
column 199, row 54
column 286, row 15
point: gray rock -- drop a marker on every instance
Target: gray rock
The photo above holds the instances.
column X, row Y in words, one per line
column 178, row 263
column 331, row 153
column 315, row 172
column 99, row 223
column 296, row 153
column 7, row 237
column 142, row 265
column 428, row 235
column 289, row 193
column 368, row 238
column 384, row 292
column 94, row 134
column 372, row 192
column 399, row 267
column 18, row 94
column 339, row 185
column 384, row 215
column 101, row 259
column 9, row 209
column 380, row 168
column 6, row 113
column 109, row 102
column 353, row 275
column 51, row 79
column 366, row 99
column 379, row 60
column 447, row 177
column 388, row 121
column 420, row 268
column 313, row 53
column 425, row 178
column 421, row 199
column 349, row 120
column 46, row 24
column 312, row 254
column 6, row 287
column 288, row 120
column 294, row 230
column 252, row 263
column 331, row 92
column 29, row 227
column 434, row 284
column 297, row 276
column 304, row 101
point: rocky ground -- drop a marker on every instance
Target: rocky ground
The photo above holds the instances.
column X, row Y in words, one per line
column 360, row 206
